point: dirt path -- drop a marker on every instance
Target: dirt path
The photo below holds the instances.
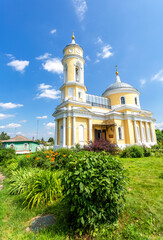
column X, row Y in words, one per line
column 2, row 177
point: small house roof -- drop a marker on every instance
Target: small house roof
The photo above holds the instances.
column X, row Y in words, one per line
column 18, row 138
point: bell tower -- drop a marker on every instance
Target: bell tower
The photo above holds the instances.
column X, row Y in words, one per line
column 73, row 62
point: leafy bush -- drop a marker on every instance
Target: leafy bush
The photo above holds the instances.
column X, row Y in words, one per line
column 7, row 153
column 43, row 188
column 61, row 157
column 133, row 151
column 147, row 151
column 102, row 145
column 94, row 189
column 19, row 180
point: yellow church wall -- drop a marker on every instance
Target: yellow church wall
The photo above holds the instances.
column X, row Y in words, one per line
column 60, row 123
column 129, row 98
column 120, row 123
column 85, row 123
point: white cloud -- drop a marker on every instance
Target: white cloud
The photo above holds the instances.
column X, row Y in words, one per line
column 4, row 116
column 11, row 125
column 42, row 117
column 53, row 31
column 10, row 105
column 10, row 56
column 88, row 58
column 44, row 86
column 19, row 133
column 106, row 52
column 46, row 91
column 50, row 125
column 23, row 121
column 53, row 65
column 142, row 82
column 80, row 8
column 45, row 56
column 18, row 65
column 158, row 76
column 99, row 40
column 159, row 126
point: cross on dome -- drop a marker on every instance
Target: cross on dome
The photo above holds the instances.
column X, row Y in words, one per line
column 73, row 38
column 117, row 78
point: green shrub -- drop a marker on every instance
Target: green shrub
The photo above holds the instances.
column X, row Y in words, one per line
column 133, row 151
column 7, row 153
column 19, row 180
column 147, row 151
column 44, row 188
column 61, row 157
column 94, row 189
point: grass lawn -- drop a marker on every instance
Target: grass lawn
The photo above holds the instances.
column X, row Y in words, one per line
column 141, row 219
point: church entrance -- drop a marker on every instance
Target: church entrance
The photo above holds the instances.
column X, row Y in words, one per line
column 100, row 134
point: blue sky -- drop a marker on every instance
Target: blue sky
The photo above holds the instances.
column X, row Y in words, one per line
column 33, row 35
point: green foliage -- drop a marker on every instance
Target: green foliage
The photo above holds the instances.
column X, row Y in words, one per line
column 159, row 135
column 51, row 140
column 147, row 151
column 7, row 153
column 4, row 136
column 133, row 151
column 43, row 188
column 94, row 189
column 157, row 149
column 62, row 157
column 20, row 180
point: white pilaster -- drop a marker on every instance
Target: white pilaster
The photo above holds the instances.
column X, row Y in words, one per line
column 153, row 139
column 64, row 131
column 136, row 133
column 56, row 131
column 90, row 129
column 74, row 130
column 142, row 133
column 147, row 131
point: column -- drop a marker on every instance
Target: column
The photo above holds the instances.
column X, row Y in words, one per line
column 56, row 131
column 142, row 133
column 90, row 129
column 136, row 133
column 74, row 130
column 147, row 131
column 153, row 139
column 64, row 131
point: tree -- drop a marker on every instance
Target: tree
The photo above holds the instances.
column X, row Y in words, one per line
column 4, row 136
column 159, row 135
column 51, row 140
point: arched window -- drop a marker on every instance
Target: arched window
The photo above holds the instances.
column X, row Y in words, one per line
column 70, row 92
column 120, row 133
column 77, row 73
column 12, row 145
column 65, row 72
column 81, row 134
column 25, row 146
column 80, row 93
column 61, row 135
column 136, row 101
column 63, row 94
column 78, row 69
column 122, row 100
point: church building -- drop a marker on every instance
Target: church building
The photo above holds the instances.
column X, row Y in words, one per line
column 116, row 115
